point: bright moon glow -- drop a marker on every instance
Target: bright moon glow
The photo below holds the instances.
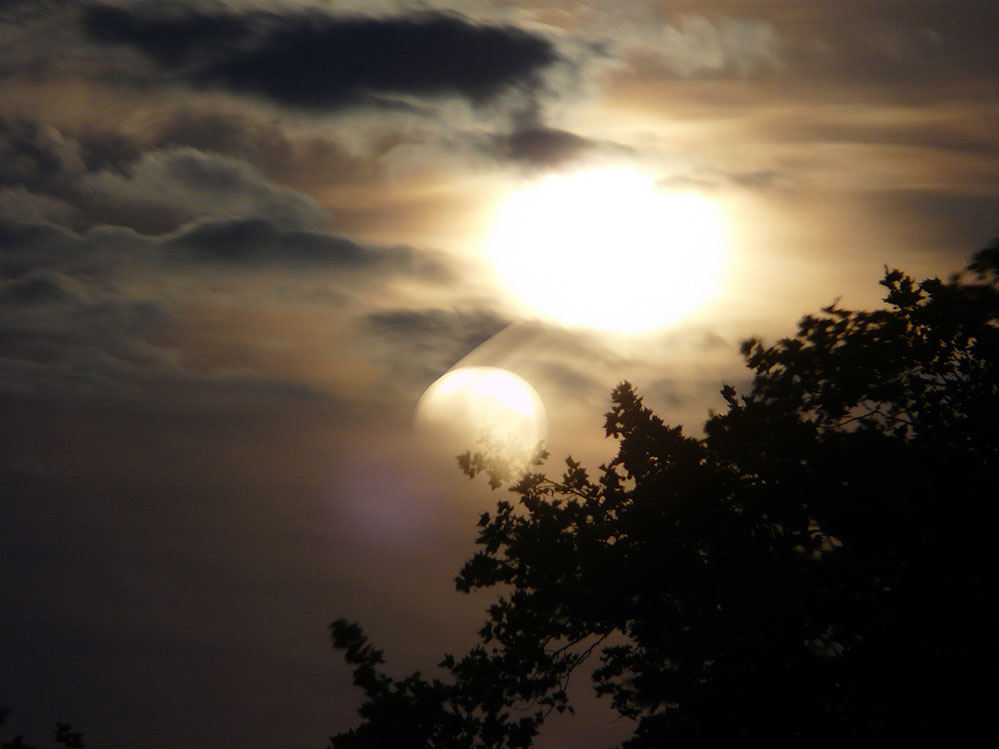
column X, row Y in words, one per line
column 472, row 406
column 605, row 249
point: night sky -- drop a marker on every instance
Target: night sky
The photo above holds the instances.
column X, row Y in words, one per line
column 239, row 240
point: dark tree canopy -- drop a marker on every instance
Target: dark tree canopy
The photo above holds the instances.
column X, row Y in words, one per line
column 818, row 567
column 63, row 735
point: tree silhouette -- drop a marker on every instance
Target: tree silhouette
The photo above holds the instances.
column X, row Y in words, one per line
column 64, row 735
column 818, row 567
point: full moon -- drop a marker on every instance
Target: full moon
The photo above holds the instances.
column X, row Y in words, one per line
column 472, row 407
column 605, row 249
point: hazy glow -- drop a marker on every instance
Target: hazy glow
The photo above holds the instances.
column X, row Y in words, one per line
column 472, row 404
column 605, row 249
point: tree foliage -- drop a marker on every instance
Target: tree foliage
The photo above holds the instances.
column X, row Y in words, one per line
column 64, row 735
column 817, row 567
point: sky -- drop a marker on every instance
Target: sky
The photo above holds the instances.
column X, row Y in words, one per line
column 239, row 240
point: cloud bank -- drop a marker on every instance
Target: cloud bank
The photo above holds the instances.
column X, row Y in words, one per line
column 325, row 62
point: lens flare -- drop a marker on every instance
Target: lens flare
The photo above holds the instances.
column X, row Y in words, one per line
column 475, row 407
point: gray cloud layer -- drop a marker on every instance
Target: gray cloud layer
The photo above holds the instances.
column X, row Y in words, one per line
column 317, row 61
column 422, row 344
column 107, row 180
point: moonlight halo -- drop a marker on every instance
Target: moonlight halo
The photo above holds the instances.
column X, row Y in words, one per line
column 603, row 248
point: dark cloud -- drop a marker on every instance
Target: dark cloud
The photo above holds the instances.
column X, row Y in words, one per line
column 103, row 178
column 422, row 344
column 30, row 246
column 172, row 35
column 32, row 291
column 469, row 329
column 35, row 157
column 301, row 162
column 573, row 379
column 108, row 150
column 217, row 131
column 14, row 11
column 23, row 237
column 60, row 339
column 238, row 244
column 85, row 340
column 543, row 147
column 317, row 61
column 252, row 242
column 42, row 161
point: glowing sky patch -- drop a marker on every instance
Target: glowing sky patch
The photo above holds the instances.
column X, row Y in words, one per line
column 605, row 249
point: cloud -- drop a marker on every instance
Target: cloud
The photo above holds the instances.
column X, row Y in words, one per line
column 315, row 61
column 37, row 157
column 108, row 150
column 543, row 147
column 237, row 244
column 891, row 50
column 109, row 180
column 758, row 179
column 711, row 178
column 697, row 45
column 172, row 186
column 38, row 290
column 689, row 44
column 27, row 245
column 941, row 128
column 20, row 11
column 255, row 242
column 424, row 343
column 304, row 161
column 898, row 46
column 32, row 207
column 573, row 377
column 74, row 328
column 64, row 337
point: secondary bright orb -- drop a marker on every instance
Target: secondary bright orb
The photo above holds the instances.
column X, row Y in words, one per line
column 472, row 407
column 605, row 249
